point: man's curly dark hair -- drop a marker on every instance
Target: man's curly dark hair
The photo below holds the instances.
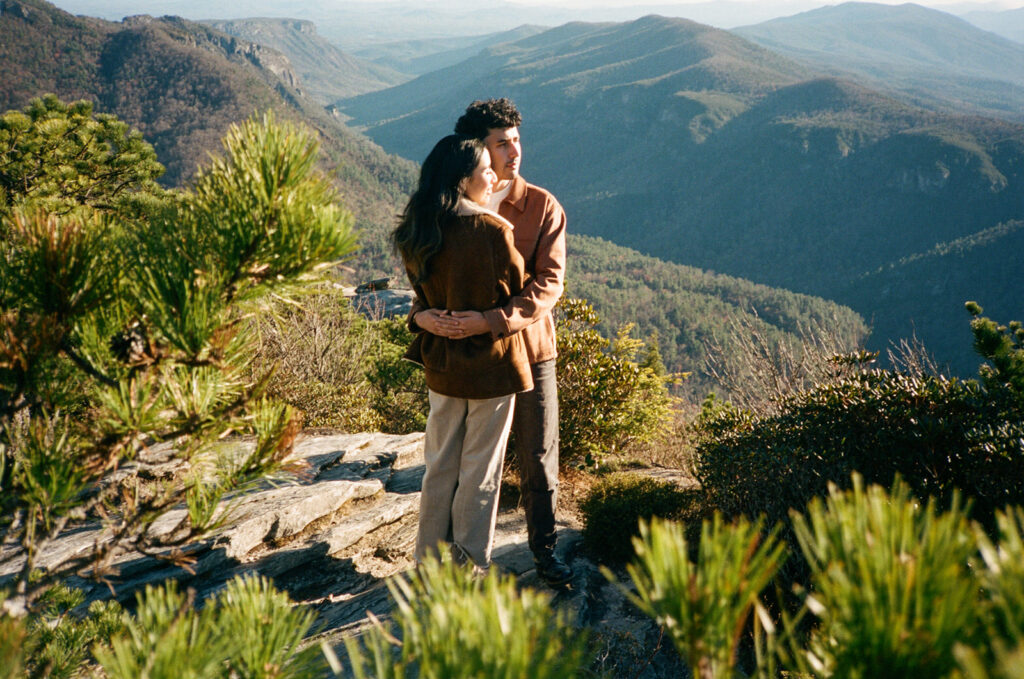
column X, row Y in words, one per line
column 481, row 116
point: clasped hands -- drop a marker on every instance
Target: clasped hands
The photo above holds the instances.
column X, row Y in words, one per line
column 452, row 324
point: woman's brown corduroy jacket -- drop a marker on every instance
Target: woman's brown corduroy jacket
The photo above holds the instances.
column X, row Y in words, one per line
column 478, row 268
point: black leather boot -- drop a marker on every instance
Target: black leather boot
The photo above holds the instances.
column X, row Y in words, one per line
column 552, row 570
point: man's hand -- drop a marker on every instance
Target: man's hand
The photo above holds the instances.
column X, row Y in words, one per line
column 470, row 323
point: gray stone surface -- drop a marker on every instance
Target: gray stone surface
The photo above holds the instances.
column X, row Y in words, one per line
column 331, row 534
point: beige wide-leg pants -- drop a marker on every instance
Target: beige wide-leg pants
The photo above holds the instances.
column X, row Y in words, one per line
column 464, row 449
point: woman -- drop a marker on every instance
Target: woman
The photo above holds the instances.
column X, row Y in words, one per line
column 460, row 256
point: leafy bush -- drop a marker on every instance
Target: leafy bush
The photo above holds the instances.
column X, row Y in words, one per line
column 249, row 630
column 613, row 508
column 891, row 584
column 399, row 394
column 704, row 605
column 606, row 399
column 453, row 624
column 938, row 433
column 317, row 351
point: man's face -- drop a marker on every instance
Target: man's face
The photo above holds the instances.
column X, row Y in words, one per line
column 506, row 151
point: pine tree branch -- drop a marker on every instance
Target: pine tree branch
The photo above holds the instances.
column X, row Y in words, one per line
column 87, row 367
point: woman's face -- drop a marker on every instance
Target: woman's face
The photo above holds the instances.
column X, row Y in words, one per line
column 480, row 183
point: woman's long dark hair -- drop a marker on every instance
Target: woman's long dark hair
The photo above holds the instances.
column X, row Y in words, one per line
column 418, row 236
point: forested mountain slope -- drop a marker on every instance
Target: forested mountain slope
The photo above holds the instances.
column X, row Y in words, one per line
column 923, row 294
column 417, row 57
column 182, row 84
column 689, row 309
column 694, row 145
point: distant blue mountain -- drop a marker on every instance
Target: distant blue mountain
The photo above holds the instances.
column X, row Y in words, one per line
column 1008, row 23
column 929, row 57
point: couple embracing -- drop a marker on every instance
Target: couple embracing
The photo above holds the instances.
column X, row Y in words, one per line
column 485, row 252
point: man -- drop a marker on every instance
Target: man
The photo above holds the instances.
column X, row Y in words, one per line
column 539, row 231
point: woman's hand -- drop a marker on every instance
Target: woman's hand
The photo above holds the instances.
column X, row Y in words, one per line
column 437, row 322
column 452, row 324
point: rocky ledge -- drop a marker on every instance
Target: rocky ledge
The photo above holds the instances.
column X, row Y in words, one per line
column 331, row 536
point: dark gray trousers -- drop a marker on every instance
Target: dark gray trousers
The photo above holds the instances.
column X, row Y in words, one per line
column 535, row 426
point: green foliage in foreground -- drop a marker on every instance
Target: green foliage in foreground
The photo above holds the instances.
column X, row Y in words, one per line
column 606, row 397
column 939, row 434
column 118, row 333
column 891, row 584
column 58, row 640
column 249, row 630
column 614, row 507
column 894, row 584
column 56, row 156
column 451, row 624
column 704, row 604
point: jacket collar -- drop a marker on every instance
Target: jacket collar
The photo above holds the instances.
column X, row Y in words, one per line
column 517, row 196
column 467, row 207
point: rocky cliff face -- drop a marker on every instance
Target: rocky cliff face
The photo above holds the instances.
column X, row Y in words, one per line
column 232, row 47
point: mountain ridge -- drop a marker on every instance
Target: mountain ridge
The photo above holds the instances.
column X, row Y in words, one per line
column 699, row 147
column 417, row 57
column 933, row 58
column 164, row 74
column 1007, row 23
column 326, row 71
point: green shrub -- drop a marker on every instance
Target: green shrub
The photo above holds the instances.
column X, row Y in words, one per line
column 249, row 631
column 1003, row 347
column 318, row 351
column 453, row 624
column 704, row 604
column 897, row 588
column 149, row 315
column 399, row 394
column 938, row 433
column 1002, row 580
column 615, row 505
column 606, row 398
column 57, row 155
column 891, row 584
column 59, row 639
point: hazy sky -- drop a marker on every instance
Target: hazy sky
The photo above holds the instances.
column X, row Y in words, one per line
column 352, row 23
column 956, row 6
